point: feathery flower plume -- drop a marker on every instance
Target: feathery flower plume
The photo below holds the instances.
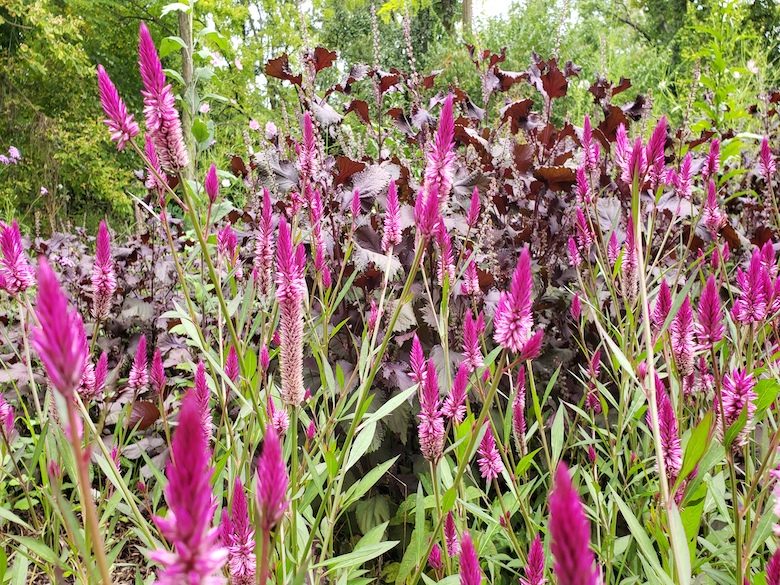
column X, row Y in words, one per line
column 518, row 412
column 417, row 361
column 272, row 482
column 576, row 307
column 227, row 244
column 670, row 437
column 6, row 418
column 681, row 333
column 513, row 321
column 427, row 214
column 534, row 570
column 103, row 276
column 162, row 119
column 446, row 263
column 737, row 395
column 455, row 403
column 290, row 292
column 472, row 329
column 101, row 373
column 311, row 430
column 710, row 328
column 532, row 348
column 584, row 233
column 663, row 304
column 712, row 216
column 202, row 393
column 570, row 532
column 622, row 150
column 441, row 156
column 60, row 341
column 434, row 559
column 490, row 464
column 655, row 153
column 684, row 183
column 474, row 208
column 470, row 284
column 355, row 205
column 629, row 267
column 766, row 162
column 211, row 184
column 583, row 188
column 157, row 374
column 155, row 177
column 613, row 249
column 264, row 247
column 119, row 122
column 713, row 160
column 574, row 252
column 278, row 418
column 16, row 274
column 636, row 164
column 752, row 305
column 138, row 379
column 590, row 148
column 392, row 233
column 451, row 541
column 773, row 569
column 470, row 573
column 430, row 429
column 197, row 556
column 239, row 539
column 231, row 365
column 307, row 156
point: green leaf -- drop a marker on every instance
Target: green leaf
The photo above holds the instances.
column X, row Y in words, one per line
column 170, row 45
column 556, row 438
column 200, row 131
column 766, row 392
column 680, row 546
column 389, row 406
column 38, row 547
column 359, row 489
column 357, row 557
column 361, row 444
column 697, row 446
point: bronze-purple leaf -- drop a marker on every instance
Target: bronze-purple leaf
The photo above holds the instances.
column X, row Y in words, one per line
column 143, row 415
column 323, row 58
column 346, row 168
column 280, row 69
column 517, row 113
column 360, row 107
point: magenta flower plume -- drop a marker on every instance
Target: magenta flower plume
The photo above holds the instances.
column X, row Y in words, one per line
column 138, row 379
column 474, row 208
column 355, row 205
column 662, row 307
column 622, row 150
column 681, row 333
column 470, row 573
column 583, row 187
column 278, row 418
column 197, row 556
column 441, row 156
column 470, row 284
column 710, row 328
column 232, row 369
column 490, row 464
column 630, row 265
column 392, row 233
column 16, row 274
column 655, row 153
column 202, row 393
column 575, row 258
column 434, row 559
column 518, row 412
column 613, row 249
column 103, row 275
column 272, row 482
column 766, row 161
column 570, row 532
column 430, row 428
column 445, row 268
column 455, row 403
column 712, row 216
column 636, row 164
column 773, row 569
column 60, row 341
column 752, row 305
column 472, row 351
column 451, row 536
column 239, row 539
column 264, row 247
column 417, row 361
column 101, row 374
column 738, row 394
column 713, row 160
column 290, row 292
column 584, row 234
column 162, row 119
column 576, row 307
column 119, row 122
column 227, row 244
column 211, row 183
column 670, row 437
column 590, row 148
column 684, row 183
column 533, row 347
column 534, row 570
column 427, row 214
column 155, row 176
column 157, row 374
column 6, row 418
column 513, row 320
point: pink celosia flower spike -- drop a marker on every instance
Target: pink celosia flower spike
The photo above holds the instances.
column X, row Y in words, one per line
column 162, row 119
column 472, row 329
column 766, row 161
column 426, row 213
column 307, row 158
column 655, row 153
column 681, row 333
column 455, row 403
column 513, row 320
column 710, row 329
column 445, row 268
column 590, row 148
column 534, row 570
column 441, row 156
column 613, row 249
column 272, row 482
column 119, row 122
column 264, row 248
column 392, row 233
column 202, row 393
column 103, row 275
column 576, row 307
column 430, row 429
column 451, row 536
column 232, row 369
column 6, row 418
column 239, row 538
column 470, row 284
column 663, row 304
column 474, row 208
column 197, row 556
column 622, row 153
column 101, row 374
column 738, row 394
column 155, row 176
column 490, row 464
column 157, row 374
column 752, row 305
column 518, row 412
column 773, row 569
column 684, row 182
column 629, row 267
column 417, row 360
column 670, row 437
column 290, row 292
column 434, row 559
column 470, row 573
column 570, row 532
column 138, row 379
column 211, row 184
column 713, row 160
column 60, row 339
column 16, row 274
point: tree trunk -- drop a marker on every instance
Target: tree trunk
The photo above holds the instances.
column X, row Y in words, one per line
column 468, row 16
